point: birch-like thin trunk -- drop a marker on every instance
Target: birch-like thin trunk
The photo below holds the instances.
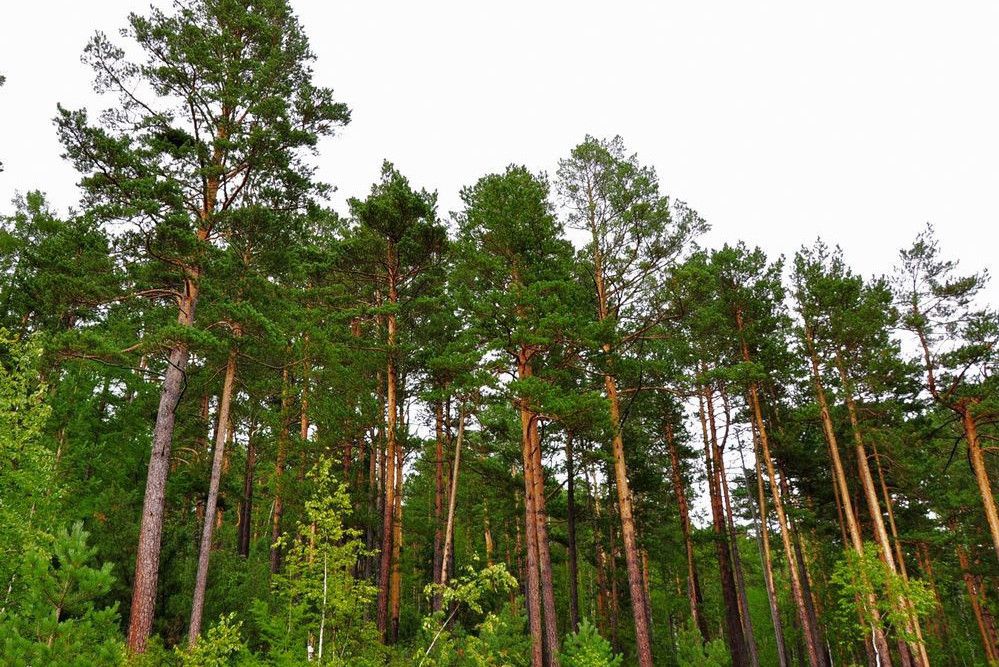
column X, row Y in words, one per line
column 452, row 500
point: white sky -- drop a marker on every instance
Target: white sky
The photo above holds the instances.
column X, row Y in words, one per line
column 778, row 121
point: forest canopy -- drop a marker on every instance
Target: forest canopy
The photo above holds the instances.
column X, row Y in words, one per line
column 553, row 427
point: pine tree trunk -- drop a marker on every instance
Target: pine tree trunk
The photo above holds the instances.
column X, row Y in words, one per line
column 975, row 595
column 438, row 500
column 815, row 656
column 396, row 583
column 737, row 573
column 550, row 620
column 147, row 559
column 452, row 501
column 643, row 639
column 279, row 465
column 570, row 489
column 977, row 458
column 246, row 508
column 766, row 556
column 388, row 507
column 879, row 641
column 533, row 583
column 693, row 582
column 204, row 554
column 910, row 652
column 487, row 534
column 733, row 619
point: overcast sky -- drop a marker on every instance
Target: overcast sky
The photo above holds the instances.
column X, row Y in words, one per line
column 778, row 121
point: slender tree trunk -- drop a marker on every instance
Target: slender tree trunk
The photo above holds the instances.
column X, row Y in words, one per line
column 814, row 650
column 911, row 652
column 438, row 500
column 396, row 591
column 452, row 500
column 204, row 554
column 550, row 622
column 734, row 634
column 975, row 454
column 975, row 595
column 926, row 565
column 693, row 582
column 600, row 555
column 766, row 557
column 246, row 508
column 740, row 583
column 147, row 558
column 487, row 534
column 570, row 475
column 879, row 641
column 977, row 457
column 279, row 465
column 643, row 639
column 811, row 605
column 388, row 508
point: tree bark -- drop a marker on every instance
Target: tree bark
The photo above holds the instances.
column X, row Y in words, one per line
column 879, row 641
column 911, row 652
column 395, row 596
column 438, row 500
column 977, row 457
column 975, row 594
column 570, row 488
column 204, row 554
column 279, row 464
column 766, row 556
column 734, row 634
column 147, row 559
column 643, row 639
column 694, row 595
column 814, row 651
column 452, row 500
column 246, row 508
column 749, row 635
column 532, row 586
column 388, row 508
column 550, row 622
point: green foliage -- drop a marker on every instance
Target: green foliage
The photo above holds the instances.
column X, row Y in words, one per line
column 586, row 648
column 55, row 616
column 693, row 650
column 27, row 494
column 221, row 646
column 856, row 575
column 317, row 593
column 500, row 636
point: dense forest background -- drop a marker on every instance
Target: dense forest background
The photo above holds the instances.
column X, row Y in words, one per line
column 550, row 428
